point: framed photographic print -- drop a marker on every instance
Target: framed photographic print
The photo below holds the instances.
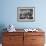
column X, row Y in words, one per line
column 26, row 14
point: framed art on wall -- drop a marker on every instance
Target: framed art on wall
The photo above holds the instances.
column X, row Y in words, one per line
column 26, row 14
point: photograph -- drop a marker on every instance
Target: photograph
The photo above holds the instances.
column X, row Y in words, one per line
column 25, row 14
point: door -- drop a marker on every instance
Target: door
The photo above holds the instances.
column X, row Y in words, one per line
column 37, row 40
column 13, row 40
column 27, row 39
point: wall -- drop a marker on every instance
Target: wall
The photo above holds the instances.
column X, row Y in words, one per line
column 8, row 13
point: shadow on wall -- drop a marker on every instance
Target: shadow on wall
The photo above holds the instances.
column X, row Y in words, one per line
column 2, row 26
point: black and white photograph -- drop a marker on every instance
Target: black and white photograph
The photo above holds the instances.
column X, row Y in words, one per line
column 25, row 14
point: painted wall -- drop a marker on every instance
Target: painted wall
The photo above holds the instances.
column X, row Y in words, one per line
column 9, row 13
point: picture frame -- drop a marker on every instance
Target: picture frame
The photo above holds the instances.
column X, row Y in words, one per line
column 26, row 14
